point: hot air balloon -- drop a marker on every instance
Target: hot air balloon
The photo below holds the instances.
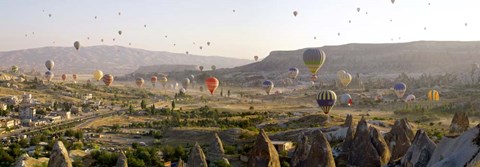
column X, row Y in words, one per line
column 201, row 47
column 145, row 26
column 267, row 85
column 186, row 52
column 212, row 84
column 49, row 64
column 153, row 80
column 48, row 76
column 313, row 59
column 214, row 67
column 175, row 86
column 338, row 34
column 295, row 13
column 119, row 13
column 64, row 77
column 101, row 40
column 433, row 95
column 358, row 9
column 400, row 89
column 410, row 98
column 14, row 69
column 344, row 78
column 120, row 32
column 326, row 100
column 185, row 83
column 107, row 79
column 76, row 44
column 208, row 43
column 49, row 15
column 139, row 82
column 346, row 99
column 183, row 90
column 201, row 68
column 255, row 57
column 233, row 10
column 393, row 1
column 164, row 81
column 466, row 24
column 95, row 17
column 97, row 74
column 113, row 39
column 293, row 73
column 74, row 76
column 349, row 21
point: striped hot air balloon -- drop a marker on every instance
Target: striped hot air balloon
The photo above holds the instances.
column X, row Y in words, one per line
column 64, row 77
column 139, row 82
column 433, row 95
column 314, row 59
column 49, row 76
column 49, row 64
column 107, row 79
column 153, row 80
column 293, row 73
column 326, row 100
column 267, row 85
column 400, row 89
column 212, row 84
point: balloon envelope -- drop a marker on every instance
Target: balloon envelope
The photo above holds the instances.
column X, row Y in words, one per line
column 326, row 100
column 49, row 64
column 313, row 59
column 212, row 84
column 76, row 44
column 346, row 99
column 433, row 95
column 185, row 83
column 293, row 73
column 107, row 79
column 267, row 85
column 97, row 74
column 49, row 75
column 400, row 89
column 64, row 77
column 139, row 82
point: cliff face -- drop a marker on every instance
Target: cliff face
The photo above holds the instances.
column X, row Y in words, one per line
column 263, row 153
column 59, row 156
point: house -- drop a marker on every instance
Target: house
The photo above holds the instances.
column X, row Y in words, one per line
column 28, row 113
column 65, row 115
column 7, row 122
column 13, row 100
column 283, row 146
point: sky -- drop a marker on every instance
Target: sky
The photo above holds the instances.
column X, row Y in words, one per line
column 257, row 27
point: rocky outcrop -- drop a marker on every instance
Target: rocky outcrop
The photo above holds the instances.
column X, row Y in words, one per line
column 320, row 154
column 348, row 121
column 263, row 153
column 21, row 161
column 460, row 123
column 122, row 160
column 346, row 145
column 368, row 148
column 181, row 163
column 301, row 152
column 216, row 153
column 59, row 156
column 197, row 157
column 463, row 150
column 420, row 152
column 399, row 138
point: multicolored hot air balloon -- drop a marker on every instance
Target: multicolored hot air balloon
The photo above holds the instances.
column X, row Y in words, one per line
column 214, row 67
column 255, row 57
column 185, row 83
column 201, row 68
column 400, row 89
column 107, row 79
column 326, row 100
column 48, row 76
column 212, row 84
column 76, row 44
column 153, row 80
column 293, row 73
column 313, row 59
column 164, row 81
column 267, row 85
column 344, row 78
column 346, row 99
column 410, row 98
column 139, row 82
column 97, row 74
column 64, row 77
column 49, row 64
column 433, row 95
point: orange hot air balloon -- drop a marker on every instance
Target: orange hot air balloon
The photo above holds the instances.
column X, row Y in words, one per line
column 64, row 77
column 107, row 79
column 74, row 77
column 154, row 80
column 212, row 84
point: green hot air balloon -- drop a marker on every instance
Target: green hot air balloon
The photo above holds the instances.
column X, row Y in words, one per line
column 313, row 59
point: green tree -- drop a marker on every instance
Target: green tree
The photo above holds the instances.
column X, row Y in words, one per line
column 130, row 109
column 143, row 104
column 173, row 105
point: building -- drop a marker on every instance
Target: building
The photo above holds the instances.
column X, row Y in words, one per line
column 283, row 146
column 7, row 122
column 76, row 110
column 28, row 113
column 13, row 100
column 65, row 115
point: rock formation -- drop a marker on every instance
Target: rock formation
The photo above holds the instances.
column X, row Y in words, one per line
column 399, row 138
column 420, row 152
column 263, row 153
column 122, row 160
column 216, row 152
column 346, row 145
column 181, row 163
column 348, row 121
column 301, row 152
column 21, row 161
column 59, row 156
column 197, row 157
column 463, row 150
column 368, row 148
column 320, row 154
column 460, row 123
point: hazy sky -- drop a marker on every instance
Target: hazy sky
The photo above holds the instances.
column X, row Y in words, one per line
column 256, row 28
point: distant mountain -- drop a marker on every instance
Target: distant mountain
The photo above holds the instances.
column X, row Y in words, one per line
column 413, row 57
column 111, row 59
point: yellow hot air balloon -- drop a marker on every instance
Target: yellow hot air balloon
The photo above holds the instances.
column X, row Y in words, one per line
column 433, row 95
column 344, row 77
column 313, row 59
column 98, row 75
column 139, row 82
column 163, row 81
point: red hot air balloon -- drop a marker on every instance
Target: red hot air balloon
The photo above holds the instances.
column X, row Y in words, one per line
column 74, row 77
column 107, row 79
column 212, row 84
column 64, row 77
column 154, row 80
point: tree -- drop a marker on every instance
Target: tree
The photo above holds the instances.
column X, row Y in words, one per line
column 173, row 105
column 221, row 92
column 130, row 109
column 228, row 93
column 152, row 109
column 143, row 104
